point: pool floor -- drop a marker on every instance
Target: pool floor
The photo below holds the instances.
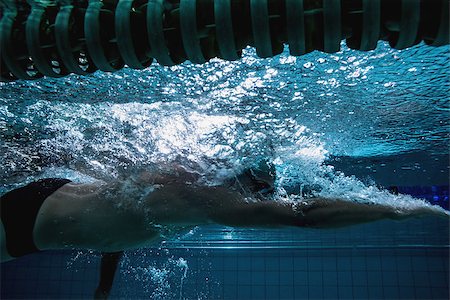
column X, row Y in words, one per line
column 360, row 262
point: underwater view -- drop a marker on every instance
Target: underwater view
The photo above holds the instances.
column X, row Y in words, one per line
column 370, row 127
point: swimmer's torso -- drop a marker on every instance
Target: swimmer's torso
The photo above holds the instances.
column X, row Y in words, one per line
column 88, row 216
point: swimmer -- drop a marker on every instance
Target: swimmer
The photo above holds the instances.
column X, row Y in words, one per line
column 60, row 214
column 113, row 217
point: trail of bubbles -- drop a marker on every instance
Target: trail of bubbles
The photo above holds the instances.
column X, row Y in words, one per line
column 160, row 281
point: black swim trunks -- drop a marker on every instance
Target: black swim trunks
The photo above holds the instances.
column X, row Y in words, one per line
column 19, row 209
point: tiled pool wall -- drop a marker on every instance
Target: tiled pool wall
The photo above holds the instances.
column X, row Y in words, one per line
column 383, row 273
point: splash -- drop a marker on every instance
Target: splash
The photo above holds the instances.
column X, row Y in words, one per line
column 181, row 262
column 220, row 118
column 162, row 281
column 303, row 173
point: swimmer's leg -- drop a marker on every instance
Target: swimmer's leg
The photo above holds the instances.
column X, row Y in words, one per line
column 107, row 271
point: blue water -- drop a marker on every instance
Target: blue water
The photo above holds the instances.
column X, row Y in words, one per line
column 346, row 125
column 352, row 104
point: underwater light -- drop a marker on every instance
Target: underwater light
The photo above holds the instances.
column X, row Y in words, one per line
column 58, row 37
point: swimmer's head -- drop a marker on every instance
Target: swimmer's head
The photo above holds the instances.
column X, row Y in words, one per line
column 259, row 179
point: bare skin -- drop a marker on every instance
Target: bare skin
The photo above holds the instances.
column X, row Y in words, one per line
column 93, row 216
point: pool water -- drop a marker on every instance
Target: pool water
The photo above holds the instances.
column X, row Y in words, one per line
column 350, row 125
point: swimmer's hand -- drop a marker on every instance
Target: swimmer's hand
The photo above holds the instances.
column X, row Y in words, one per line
column 420, row 211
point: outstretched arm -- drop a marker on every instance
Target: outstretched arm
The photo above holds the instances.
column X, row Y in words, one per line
column 316, row 213
column 178, row 204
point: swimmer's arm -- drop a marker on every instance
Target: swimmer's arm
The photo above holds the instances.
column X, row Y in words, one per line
column 176, row 204
column 315, row 213
column 181, row 204
column 334, row 213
